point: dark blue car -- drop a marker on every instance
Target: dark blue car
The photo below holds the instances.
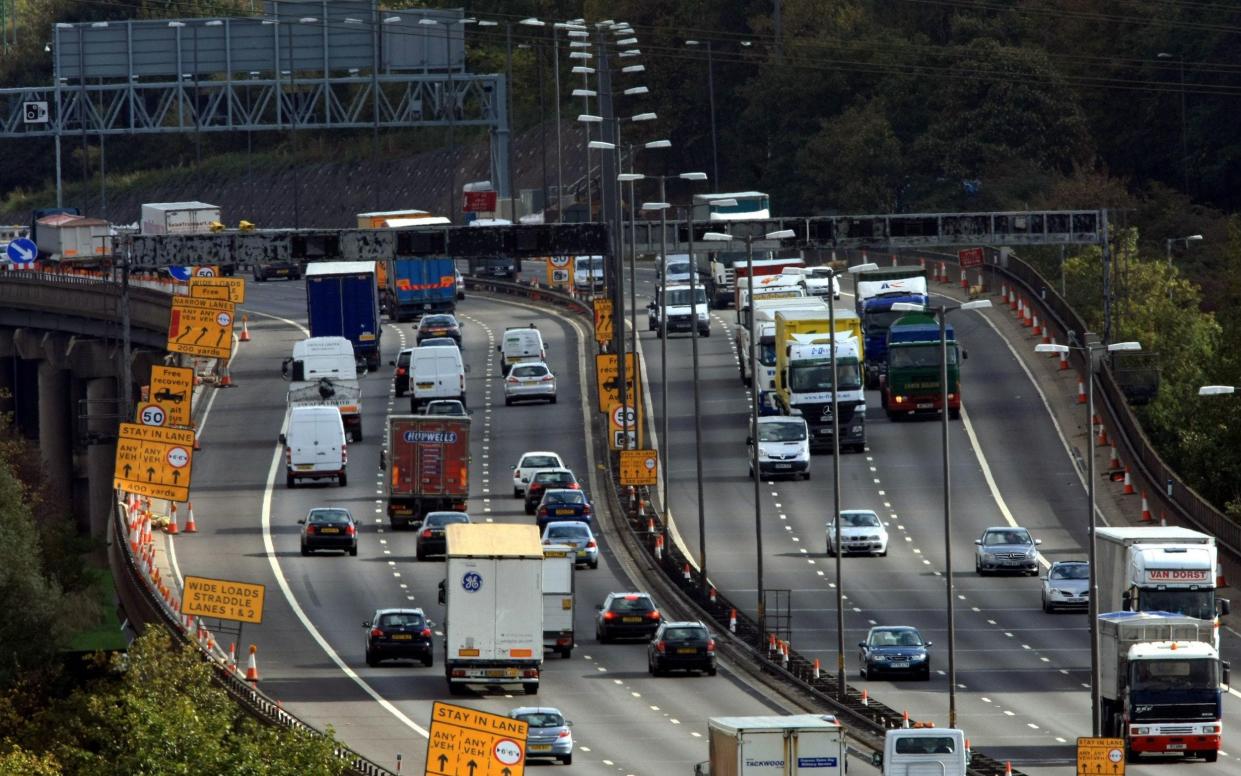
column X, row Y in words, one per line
column 564, row 504
column 894, row 650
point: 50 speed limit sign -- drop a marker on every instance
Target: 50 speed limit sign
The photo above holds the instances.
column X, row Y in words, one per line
column 152, row 415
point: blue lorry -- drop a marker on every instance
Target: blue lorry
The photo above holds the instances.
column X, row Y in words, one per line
column 876, row 291
column 343, row 301
column 418, row 285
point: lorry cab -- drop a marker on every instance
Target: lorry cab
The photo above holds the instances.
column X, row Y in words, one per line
column 436, row 372
column 521, row 344
column 315, row 445
column 916, row 751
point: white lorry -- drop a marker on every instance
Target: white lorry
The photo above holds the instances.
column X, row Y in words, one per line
column 323, row 373
column 795, row 745
column 493, row 598
column 180, row 218
column 1160, row 683
column 1159, row 569
column 558, row 598
column 919, row 751
column 765, row 309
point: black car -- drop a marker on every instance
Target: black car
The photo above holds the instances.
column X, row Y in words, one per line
column 626, row 615
column 431, row 538
column 398, row 633
column 681, row 645
column 544, row 479
column 277, row 269
column 439, row 325
column 400, row 375
column 894, row 649
column 329, row 528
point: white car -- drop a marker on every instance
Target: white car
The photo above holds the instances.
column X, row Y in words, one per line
column 528, row 464
column 530, row 380
column 819, row 281
column 861, row 530
column 676, row 270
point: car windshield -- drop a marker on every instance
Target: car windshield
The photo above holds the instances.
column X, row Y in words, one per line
column 925, row 745
column 438, row 320
column 547, row 478
column 767, row 354
column 858, row 519
column 1175, row 675
column 679, row 297
column 329, row 517
column 594, row 263
column 895, row 638
column 401, row 620
column 817, row 378
column 781, row 432
column 632, row 603
column 542, row 719
column 430, row 341
column 995, row 538
column 686, row 634
column 444, row 518
column 1071, row 571
column 919, row 355
column 529, row 371
column 575, row 531
column 566, row 497
column 403, row 357
column 445, row 408
column 538, row 461
column 678, row 268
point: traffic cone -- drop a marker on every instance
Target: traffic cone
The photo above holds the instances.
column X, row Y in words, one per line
column 1008, row 768
column 905, row 719
column 190, row 526
column 226, row 380
column 1163, row 519
column 659, row 547
column 197, row 444
column 245, row 329
column 1081, row 391
column 1128, row 490
column 1027, row 316
column 711, row 594
column 1012, row 299
column 771, row 644
column 1146, row 510
column 232, row 656
column 894, row 260
column 1036, row 329
column 865, row 697
column 685, row 572
column 1004, row 290
column 1102, row 440
column 1021, row 308
column 650, row 525
column 732, row 621
column 1064, row 360
column 171, row 528
column 816, row 669
column 252, row 667
column 1047, row 338
column 922, row 262
column 1114, row 461
column 965, row 284
column 943, row 273
column 784, row 651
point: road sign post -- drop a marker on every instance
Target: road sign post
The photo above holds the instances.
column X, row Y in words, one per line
column 467, row 742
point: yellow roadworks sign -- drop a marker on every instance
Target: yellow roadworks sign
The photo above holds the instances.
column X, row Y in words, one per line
column 603, row 320
column 1100, row 757
column 622, row 420
column 468, row 742
column 172, row 388
column 201, row 327
column 154, row 461
column 639, row 467
column 223, row 599
column 232, row 289
column 606, row 377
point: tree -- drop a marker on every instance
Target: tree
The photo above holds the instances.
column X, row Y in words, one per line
column 855, row 160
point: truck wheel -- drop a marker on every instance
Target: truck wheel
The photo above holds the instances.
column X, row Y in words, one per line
column 566, row 652
column 567, row 759
column 420, row 555
column 517, row 493
column 508, row 402
column 344, row 479
column 353, row 552
column 371, row 660
column 455, row 688
column 553, row 399
column 532, row 689
column 1210, row 755
column 305, row 551
column 428, row 660
column 289, row 482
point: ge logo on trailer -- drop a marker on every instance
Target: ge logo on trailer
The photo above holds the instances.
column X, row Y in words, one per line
column 472, row 582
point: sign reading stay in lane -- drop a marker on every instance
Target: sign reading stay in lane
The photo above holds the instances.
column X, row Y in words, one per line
column 1100, row 756
column 201, row 327
column 468, row 742
column 154, row 461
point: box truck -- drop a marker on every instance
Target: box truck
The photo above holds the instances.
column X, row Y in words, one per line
column 179, row 218
column 558, row 598
column 322, row 372
column 343, row 301
column 428, row 466
column 493, row 598
column 795, row 745
column 417, row 285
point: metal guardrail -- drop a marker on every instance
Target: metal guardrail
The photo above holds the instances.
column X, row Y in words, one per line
column 92, row 298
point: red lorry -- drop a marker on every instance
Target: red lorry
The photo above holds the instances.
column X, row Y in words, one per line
column 428, row 463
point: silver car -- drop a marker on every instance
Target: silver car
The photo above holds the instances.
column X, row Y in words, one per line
column 861, row 530
column 530, row 380
column 577, row 535
column 549, row 733
column 1004, row 548
column 1067, row 585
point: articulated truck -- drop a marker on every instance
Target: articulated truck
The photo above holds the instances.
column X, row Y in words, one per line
column 1160, row 683
column 1159, row 569
column 910, row 385
column 876, row 291
column 427, row 465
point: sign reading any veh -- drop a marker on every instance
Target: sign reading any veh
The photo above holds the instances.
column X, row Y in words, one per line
column 201, row 327
column 639, row 467
column 468, row 742
column 1100, row 757
column 154, row 461
column 223, row 599
column 970, row 257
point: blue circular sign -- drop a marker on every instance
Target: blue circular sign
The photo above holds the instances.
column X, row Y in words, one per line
column 471, row 582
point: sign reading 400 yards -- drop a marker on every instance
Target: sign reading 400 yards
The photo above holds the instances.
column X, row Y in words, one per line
column 467, row 742
column 154, row 461
column 201, row 327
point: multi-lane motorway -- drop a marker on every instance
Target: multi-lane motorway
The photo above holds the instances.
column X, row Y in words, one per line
column 1021, row 673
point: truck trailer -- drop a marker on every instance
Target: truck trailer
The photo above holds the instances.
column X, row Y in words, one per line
column 794, row 745
column 559, row 599
column 876, row 291
column 342, row 301
column 417, row 285
column 428, row 463
column 493, row 598
column 323, row 372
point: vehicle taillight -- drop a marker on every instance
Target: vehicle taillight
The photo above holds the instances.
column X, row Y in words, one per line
column 542, row 512
column 426, row 534
column 310, row 530
column 288, row 455
column 376, row 633
column 426, row 633
column 548, row 378
column 400, row 371
column 512, row 381
column 574, row 486
column 609, row 615
column 591, row 544
column 653, row 615
column 462, row 379
column 344, row 453
column 710, row 645
column 351, row 530
column 563, row 734
column 586, row 510
column 660, row 646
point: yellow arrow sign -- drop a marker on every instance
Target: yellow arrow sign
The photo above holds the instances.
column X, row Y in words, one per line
column 154, row 461
column 465, row 741
column 201, row 327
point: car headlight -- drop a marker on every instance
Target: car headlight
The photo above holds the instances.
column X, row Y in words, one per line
column 879, row 658
column 917, row 658
column 1029, row 553
column 702, row 316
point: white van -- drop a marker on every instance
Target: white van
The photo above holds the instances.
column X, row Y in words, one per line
column 588, row 273
column 783, row 447
column 435, row 372
column 315, row 445
column 915, row 751
column 521, row 344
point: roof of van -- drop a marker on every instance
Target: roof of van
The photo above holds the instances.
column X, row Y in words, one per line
column 493, row 540
column 338, row 267
column 308, row 409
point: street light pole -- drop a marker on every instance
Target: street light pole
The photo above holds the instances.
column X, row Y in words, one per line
column 693, row 301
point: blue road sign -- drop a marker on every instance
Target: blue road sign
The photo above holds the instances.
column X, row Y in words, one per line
column 22, row 251
column 180, row 273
